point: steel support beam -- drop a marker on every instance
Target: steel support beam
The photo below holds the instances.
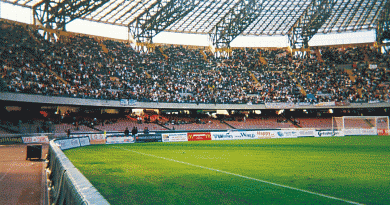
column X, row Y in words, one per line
column 235, row 22
column 157, row 18
column 310, row 21
column 55, row 15
column 383, row 28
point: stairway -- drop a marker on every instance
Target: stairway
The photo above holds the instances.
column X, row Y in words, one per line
column 303, row 91
column 319, row 56
column 263, row 61
column 204, row 56
column 104, row 48
column 352, row 76
column 162, row 53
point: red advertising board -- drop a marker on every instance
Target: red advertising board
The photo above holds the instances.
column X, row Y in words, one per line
column 198, row 136
column 383, row 132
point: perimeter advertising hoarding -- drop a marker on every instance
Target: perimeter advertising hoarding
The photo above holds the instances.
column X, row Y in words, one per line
column 198, row 136
column 235, row 135
column 10, row 140
column 174, row 137
column 68, row 143
column 330, row 133
column 119, row 139
column 360, row 132
column 97, row 138
column 383, row 132
column 84, row 141
column 36, row 139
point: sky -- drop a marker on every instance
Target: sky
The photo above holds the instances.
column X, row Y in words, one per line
column 22, row 14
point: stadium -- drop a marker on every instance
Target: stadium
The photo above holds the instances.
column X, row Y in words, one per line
column 194, row 102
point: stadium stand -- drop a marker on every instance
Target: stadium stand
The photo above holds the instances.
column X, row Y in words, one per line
column 76, row 66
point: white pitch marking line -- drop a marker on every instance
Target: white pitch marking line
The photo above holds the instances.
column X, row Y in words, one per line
column 9, row 169
column 246, row 177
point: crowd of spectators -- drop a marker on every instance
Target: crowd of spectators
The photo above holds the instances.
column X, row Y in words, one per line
column 78, row 66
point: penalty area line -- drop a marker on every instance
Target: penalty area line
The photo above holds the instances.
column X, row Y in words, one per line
column 245, row 177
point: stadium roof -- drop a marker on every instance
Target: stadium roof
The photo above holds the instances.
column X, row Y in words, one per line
column 276, row 17
column 223, row 20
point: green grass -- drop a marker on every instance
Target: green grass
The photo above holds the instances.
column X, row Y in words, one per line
column 351, row 168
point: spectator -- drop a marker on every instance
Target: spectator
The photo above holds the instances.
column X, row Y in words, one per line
column 127, row 132
column 134, row 131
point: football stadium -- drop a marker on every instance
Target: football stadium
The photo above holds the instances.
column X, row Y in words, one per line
column 194, row 102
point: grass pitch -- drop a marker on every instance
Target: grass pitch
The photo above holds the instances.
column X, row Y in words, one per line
column 330, row 170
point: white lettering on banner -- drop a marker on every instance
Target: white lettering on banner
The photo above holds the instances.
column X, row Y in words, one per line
column 84, row 141
column 174, row 137
column 38, row 139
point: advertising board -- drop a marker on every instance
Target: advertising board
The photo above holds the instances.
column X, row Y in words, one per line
column 330, row 133
column 236, row 135
column 10, row 140
column 84, row 141
column 287, row 134
column 119, row 140
column 348, row 132
column 151, row 137
column 383, row 132
column 174, row 137
column 68, row 143
column 198, row 136
column 97, row 138
column 36, row 139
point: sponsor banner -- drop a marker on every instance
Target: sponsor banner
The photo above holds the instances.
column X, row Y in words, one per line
column 383, row 132
column 221, row 136
column 128, row 102
column 287, row 134
column 303, row 104
column 97, row 138
column 124, row 102
column 374, row 101
column 342, row 103
column 279, row 105
column 151, row 137
column 119, row 140
column 10, row 140
column 330, row 133
column 368, row 132
column 197, row 136
column 174, row 137
column 84, row 141
column 325, row 104
column 68, row 143
column 235, row 135
column 37, row 139
column 360, row 132
column 265, row 134
column 307, row 133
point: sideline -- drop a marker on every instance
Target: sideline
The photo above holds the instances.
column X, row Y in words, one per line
column 8, row 170
column 246, row 177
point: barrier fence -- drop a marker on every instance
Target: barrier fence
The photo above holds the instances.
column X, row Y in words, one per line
column 67, row 185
